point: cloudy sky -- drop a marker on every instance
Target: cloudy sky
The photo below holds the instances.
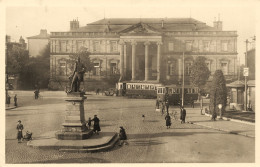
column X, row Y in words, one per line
column 26, row 19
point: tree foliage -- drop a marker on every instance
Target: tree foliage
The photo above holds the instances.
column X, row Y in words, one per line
column 199, row 72
column 84, row 59
column 17, row 58
column 218, row 92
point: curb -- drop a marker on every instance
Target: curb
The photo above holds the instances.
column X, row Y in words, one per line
column 233, row 120
column 227, row 131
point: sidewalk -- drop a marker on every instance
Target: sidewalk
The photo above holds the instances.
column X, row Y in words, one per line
column 194, row 117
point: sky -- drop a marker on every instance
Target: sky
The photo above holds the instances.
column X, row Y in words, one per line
column 26, row 19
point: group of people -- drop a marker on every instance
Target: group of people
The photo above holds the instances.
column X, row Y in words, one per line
column 8, row 100
column 164, row 105
column 96, row 126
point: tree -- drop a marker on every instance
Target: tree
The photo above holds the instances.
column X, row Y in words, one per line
column 84, row 59
column 199, row 72
column 218, row 92
column 17, row 57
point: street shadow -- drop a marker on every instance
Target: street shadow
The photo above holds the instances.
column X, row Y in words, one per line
column 151, row 121
column 146, row 142
column 75, row 160
column 165, row 134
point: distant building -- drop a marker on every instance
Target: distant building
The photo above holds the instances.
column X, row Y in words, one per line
column 145, row 50
column 36, row 44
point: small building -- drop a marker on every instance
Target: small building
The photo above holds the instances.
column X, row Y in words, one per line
column 36, row 44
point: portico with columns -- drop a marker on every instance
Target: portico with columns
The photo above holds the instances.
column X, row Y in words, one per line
column 138, row 54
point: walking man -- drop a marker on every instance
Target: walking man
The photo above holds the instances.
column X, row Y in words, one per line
column 15, row 100
column 183, row 114
column 167, row 105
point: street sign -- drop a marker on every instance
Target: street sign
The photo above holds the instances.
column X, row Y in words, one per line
column 245, row 72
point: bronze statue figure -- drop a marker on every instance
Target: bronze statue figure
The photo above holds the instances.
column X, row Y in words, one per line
column 77, row 76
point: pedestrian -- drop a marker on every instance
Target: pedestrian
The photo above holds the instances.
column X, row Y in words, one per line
column 36, row 94
column 168, row 120
column 19, row 128
column 191, row 102
column 8, row 100
column 157, row 104
column 214, row 116
column 15, row 100
column 143, row 117
column 122, row 136
column 89, row 122
column 183, row 112
column 167, row 105
column 96, row 124
column 163, row 107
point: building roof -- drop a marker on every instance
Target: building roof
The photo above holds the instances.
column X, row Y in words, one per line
column 236, row 84
column 169, row 24
column 43, row 35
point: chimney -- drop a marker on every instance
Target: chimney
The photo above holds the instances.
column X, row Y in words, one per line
column 217, row 24
column 162, row 23
column 74, row 24
column 43, row 32
column 8, row 38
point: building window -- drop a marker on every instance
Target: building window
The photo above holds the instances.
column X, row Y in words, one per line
column 188, row 68
column 113, row 68
column 224, row 46
column 62, row 69
column 206, row 46
column 63, row 47
column 188, row 45
column 113, row 46
column 224, row 67
column 171, row 46
column 79, row 45
column 171, row 68
column 97, row 68
column 57, row 46
column 96, row 46
column 208, row 65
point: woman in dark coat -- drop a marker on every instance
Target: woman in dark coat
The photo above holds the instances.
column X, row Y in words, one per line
column 183, row 114
column 168, row 120
column 122, row 136
column 19, row 128
column 96, row 124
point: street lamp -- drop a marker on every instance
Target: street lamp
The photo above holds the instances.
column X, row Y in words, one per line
column 220, row 108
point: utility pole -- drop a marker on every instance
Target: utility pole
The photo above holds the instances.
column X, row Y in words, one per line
column 182, row 101
column 246, row 76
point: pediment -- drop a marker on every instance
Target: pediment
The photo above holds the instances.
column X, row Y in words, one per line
column 140, row 28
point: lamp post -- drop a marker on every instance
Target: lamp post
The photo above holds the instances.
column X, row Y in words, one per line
column 220, row 108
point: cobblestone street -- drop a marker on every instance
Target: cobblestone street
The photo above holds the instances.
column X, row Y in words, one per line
column 149, row 140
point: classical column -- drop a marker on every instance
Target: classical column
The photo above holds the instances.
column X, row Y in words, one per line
column 158, row 61
column 147, row 68
column 121, row 60
column 125, row 59
column 133, row 59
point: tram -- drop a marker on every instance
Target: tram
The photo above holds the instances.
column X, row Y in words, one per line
column 174, row 93
column 138, row 89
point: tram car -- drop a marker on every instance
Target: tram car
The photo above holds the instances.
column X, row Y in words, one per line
column 137, row 90
column 174, row 93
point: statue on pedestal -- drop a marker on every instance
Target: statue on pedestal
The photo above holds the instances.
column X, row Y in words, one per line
column 77, row 76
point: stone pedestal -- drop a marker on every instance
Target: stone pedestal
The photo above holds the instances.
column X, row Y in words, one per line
column 74, row 127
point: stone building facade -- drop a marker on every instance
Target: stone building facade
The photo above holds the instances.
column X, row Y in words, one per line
column 147, row 50
column 36, row 44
